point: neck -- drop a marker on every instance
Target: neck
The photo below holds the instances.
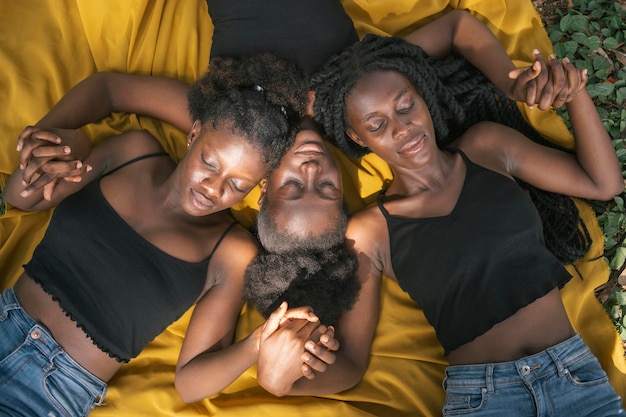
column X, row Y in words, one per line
column 431, row 177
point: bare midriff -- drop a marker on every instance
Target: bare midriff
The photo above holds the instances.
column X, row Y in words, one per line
column 41, row 307
column 532, row 329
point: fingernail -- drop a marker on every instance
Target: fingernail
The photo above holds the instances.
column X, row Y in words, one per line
column 79, row 164
column 88, row 168
column 24, row 193
column 310, row 345
column 536, row 52
column 566, row 60
column 325, row 339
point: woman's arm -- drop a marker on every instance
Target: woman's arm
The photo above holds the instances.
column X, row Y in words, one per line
column 355, row 332
column 460, row 33
column 31, row 196
column 592, row 173
column 208, row 360
column 103, row 93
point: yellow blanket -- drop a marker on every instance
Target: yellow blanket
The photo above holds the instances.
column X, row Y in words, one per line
column 46, row 46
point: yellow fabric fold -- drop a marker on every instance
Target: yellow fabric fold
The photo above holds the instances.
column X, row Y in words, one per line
column 46, row 46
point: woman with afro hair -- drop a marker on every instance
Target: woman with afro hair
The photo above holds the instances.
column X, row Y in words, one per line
column 141, row 238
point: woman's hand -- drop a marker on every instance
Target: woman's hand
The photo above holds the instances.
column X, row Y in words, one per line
column 49, row 156
column 547, row 84
column 293, row 344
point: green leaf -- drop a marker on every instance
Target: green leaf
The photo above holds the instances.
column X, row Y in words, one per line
column 573, row 23
column 610, row 42
column 600, row 90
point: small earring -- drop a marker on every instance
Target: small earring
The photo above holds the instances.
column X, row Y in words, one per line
column 188, row 145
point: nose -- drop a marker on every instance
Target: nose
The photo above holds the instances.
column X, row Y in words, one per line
column 213, row 187
column 310, row 171
column 401, row 127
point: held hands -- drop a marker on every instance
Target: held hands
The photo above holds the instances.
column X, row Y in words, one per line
column 49, row 156
column 547, row 84
column 293, row 344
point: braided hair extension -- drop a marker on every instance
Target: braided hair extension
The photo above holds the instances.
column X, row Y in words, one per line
column 262, row 97
column 457, row 96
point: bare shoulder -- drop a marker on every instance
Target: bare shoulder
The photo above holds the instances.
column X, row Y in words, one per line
column 490, row 145
column 368, row 230
column 124, row 147
column 236, row 250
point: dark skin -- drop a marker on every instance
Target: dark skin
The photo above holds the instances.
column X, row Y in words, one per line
column 457, row 32
column 177, row 208
column 388, row 115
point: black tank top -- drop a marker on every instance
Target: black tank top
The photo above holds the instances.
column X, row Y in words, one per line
column 306, row 32
column 118, row 287
column 478, row 265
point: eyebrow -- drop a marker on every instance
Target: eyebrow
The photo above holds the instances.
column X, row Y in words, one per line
column 396, row 98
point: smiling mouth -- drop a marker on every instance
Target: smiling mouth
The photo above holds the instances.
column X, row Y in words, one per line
column 201, row 201
column 413, row 146
column 309, row 148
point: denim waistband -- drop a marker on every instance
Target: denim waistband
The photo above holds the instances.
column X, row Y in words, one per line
column 554, row 359
column 41, row 337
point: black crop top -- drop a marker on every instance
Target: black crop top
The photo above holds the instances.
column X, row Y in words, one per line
column 478, row 265
column 118, row 287
column 306, row 32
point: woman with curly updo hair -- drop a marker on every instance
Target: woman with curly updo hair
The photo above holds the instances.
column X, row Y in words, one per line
column 141, row 238
column 457, row 232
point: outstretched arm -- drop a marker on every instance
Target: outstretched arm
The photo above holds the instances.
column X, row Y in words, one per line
column 24, row 191
column 593, row 172
column 45, row 152
column 103, row 93
column 460, row 33
column 208, row 348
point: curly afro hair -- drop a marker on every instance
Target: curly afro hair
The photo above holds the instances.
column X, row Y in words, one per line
column 324, row 280
column 262, row 97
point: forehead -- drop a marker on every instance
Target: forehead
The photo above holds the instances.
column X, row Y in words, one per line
column 377, row 87
column 234, row 150
column 377, row 81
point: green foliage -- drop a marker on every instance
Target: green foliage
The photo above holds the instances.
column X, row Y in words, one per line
column 592, row 35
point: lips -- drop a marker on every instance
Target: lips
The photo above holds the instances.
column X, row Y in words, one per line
column 412, row 146
column 309, row 148
column 201, row 201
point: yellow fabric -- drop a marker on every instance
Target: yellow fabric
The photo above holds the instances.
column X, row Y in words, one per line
column 46, row 46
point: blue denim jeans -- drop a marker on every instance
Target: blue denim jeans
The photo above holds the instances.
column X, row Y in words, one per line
column 564, row 380
column 37, row 377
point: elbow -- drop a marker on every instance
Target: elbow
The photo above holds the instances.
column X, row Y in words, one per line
column 354, row 378
column 609, row 191
column 186, row 393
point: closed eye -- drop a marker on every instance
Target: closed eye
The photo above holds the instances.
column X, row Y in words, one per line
column 235, row 187
column 208, row 163
column 406, row 109
column 378, row 127
column 293, row 183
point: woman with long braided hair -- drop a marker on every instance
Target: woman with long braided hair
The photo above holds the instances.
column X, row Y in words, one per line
column 460, row 236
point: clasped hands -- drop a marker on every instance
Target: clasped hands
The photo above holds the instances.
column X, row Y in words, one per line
column 292, row 344
column 546, row 84
column 48, row 156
